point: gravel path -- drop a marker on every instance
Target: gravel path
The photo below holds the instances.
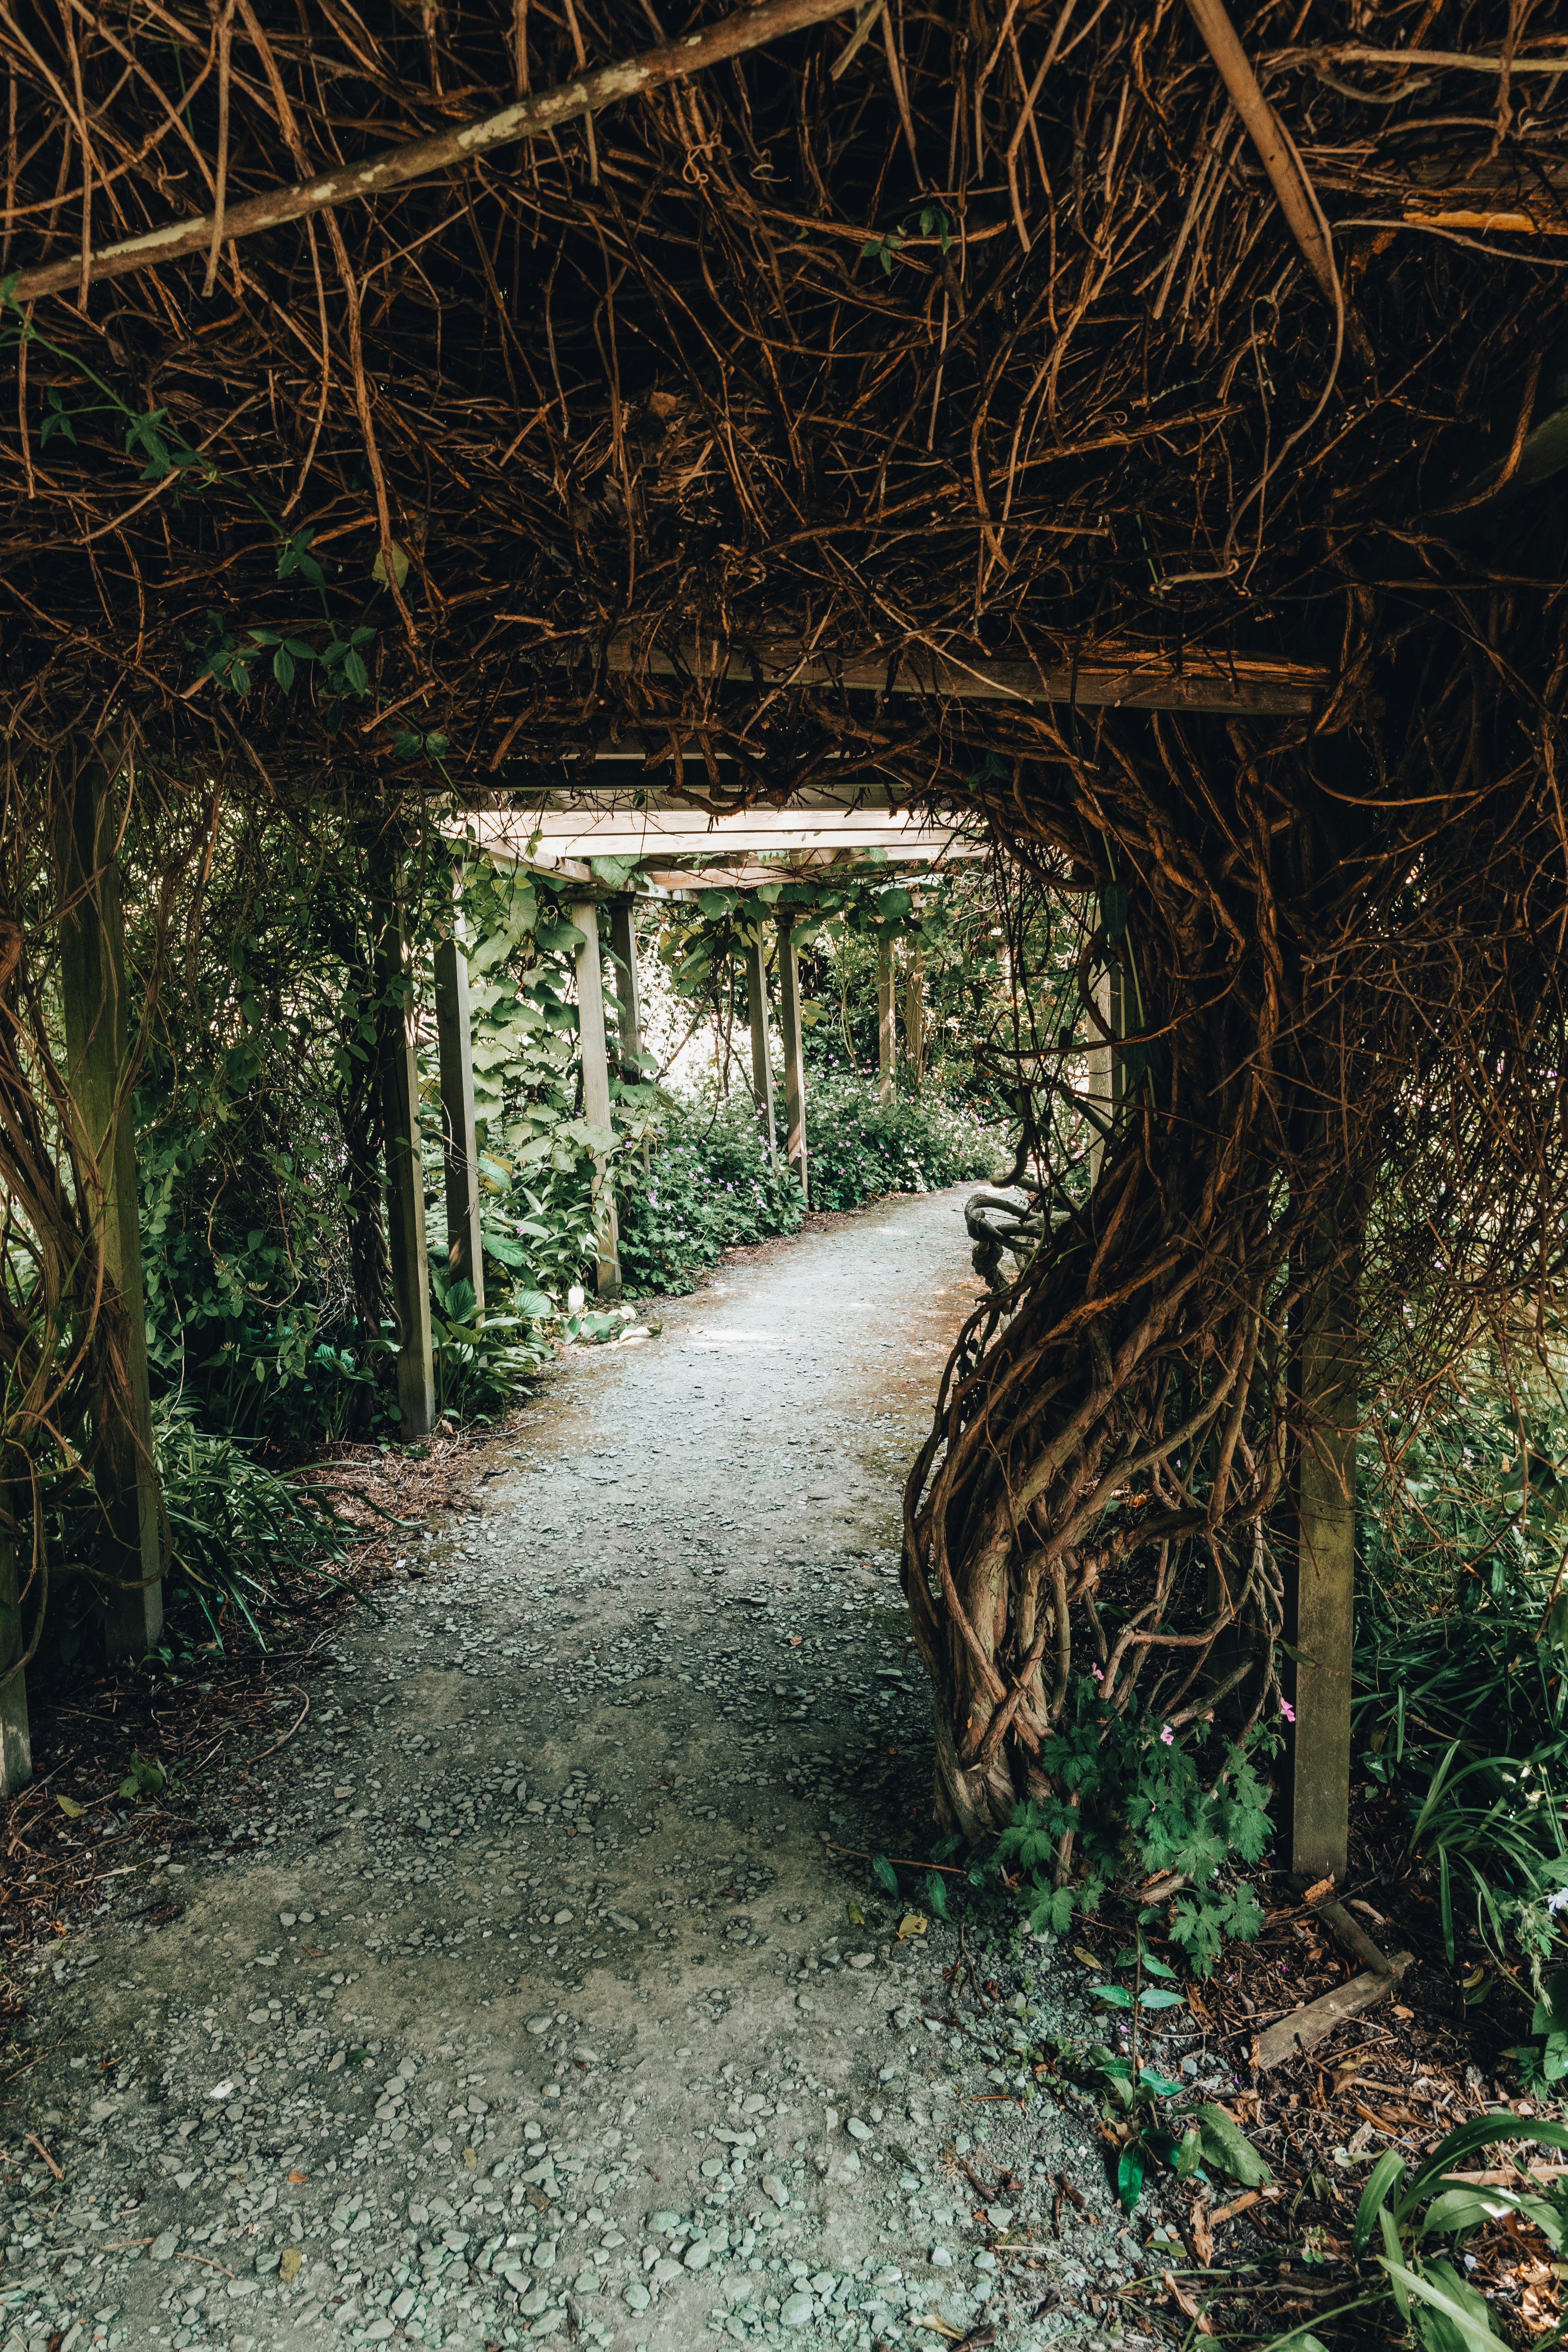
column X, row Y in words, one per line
column 543, row 2007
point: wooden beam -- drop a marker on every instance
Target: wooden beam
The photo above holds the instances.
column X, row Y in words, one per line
column 885, row 1044
column 629, row 990
column 15, row 1730
column 449, row 150
column 794, row 1062
column 596, row 1093
column 1131, row 680
column 404, row 1169
column 96, row 1035
column 1321, row 1578
column 459, row 1131
column 761, row 1059
column 1316, row 2020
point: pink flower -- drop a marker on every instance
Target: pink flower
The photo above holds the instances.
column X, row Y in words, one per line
column 1287, row 1710
column 1167, row 1735
column 1096, row 1673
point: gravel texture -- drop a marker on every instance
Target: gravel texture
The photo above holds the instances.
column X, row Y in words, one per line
column 542, row 2006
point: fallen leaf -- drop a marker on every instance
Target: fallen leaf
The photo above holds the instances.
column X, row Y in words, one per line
column 1202, row 2233
column 470, row 2160
column 1185, row 2304
column 1399, row 2011
column 857, row 1916
column 399, row 565
column 297, row 2176
column 1316, row 1893
column 288, row 2267
column 68, row 1806
column 911, row 1924
column 1082, row 1952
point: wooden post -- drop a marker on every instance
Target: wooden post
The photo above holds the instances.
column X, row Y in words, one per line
column 1321, row 1582
column 794, row 1067
column 16, row 1732
column 1104, row 1062
column 628, row 996
column 404, row 1169
column 762, row 1059
column 885, row 1020
column 97, row 1035
column 459, row 1138
column 915, row 1017
column 596, row 1092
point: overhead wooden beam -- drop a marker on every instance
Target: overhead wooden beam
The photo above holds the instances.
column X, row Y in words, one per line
column 596, row 1093
column 445, row 150
column 96, row 1011
column 1133, row 680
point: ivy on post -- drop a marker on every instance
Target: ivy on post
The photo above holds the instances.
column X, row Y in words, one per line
column 596, row 1092
column 399, row 1073
column 460, row 1141
column 794, row 1067
column 885, row 1047
column 16, row 1731
column 628, row 996
column 1320, row 1594
column 762, row 1059
column 99, row 1076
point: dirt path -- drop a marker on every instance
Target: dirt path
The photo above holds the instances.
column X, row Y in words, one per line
column 543, row 2008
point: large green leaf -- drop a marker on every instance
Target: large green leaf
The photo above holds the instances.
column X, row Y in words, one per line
column 1225, row 2144
column 1130, row 2174
column 1385, row 2175
column 1452, row 2316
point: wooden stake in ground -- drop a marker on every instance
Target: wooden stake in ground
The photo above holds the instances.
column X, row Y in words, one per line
column 794, row 1066
column 762, row 1059
column 459, row 1129
column 1320, row 1583
column 15, row 1730
column 596, row 1092
column 405, row 1171
column 97, row 1033
column 885, row 1048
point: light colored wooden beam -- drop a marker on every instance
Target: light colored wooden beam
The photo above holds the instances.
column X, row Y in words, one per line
column 97, row 1031
column 793, row 1061
column 884, row 1041
column 596, row 1092
column 459, row 1132
column 761, row 1059
column 915, row 1016
column 407, row 1245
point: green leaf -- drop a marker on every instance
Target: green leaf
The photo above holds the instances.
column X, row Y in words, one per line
column 1154, row 1999
column 1114, row 1996
column 1129, row 2171
column 356, row 675
column 1453, row 2316
column 1226, row 2146
column 283, row 668
column 936, row 1893
column 1385, row 2175
column 399, row 565
column 885, row 1874
column 1160, row 2085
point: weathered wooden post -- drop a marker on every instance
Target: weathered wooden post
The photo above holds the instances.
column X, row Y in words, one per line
column 596, row 1092
column 794, row 1066
column 628, row 996
column 762, row 1059
column 16, row 1731
column 459, row 1138
column 1320, row 1594
column 97, row 1036
column 915, row 1017
column 404, row 1159
column 885, row 1020
column 1105, row 1063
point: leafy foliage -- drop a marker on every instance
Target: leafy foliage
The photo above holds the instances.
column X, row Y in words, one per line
column 1131, row 1795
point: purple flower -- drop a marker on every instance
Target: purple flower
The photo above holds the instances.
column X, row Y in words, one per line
column 1167, row 1735
column 1287, row 1710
